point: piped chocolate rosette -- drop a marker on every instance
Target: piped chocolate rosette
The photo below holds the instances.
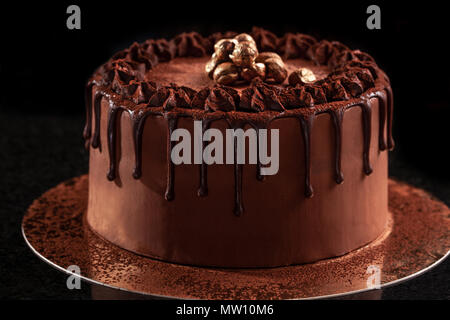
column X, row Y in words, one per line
column 352, row 73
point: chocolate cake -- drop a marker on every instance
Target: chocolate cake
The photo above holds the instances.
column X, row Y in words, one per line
column 332, row 107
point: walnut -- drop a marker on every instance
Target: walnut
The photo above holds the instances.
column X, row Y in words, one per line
column 275, row 70
column 255, row 70
column 211, row 65
column 223, row 48
column 226, row 73
column 244, row 54
column 263, row 56
column 244, row 37
column 301, row 76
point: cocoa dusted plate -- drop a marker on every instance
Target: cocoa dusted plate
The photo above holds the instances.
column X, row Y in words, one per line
column 417, row 239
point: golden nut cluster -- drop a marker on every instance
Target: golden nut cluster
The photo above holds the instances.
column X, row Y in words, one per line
column 301, row 76
column 237, row 60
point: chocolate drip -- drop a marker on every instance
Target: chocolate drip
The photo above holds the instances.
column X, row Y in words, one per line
column 238, row 168
column 338, row 117
column 385, row 106
column 306, row 120
column 390, row 114
column 112, row 133
column 306, row 133
column 203, row 187
column 382, row 104
column 238, row 205
column 367, row 130
column 138, row 129
column 170, row 192
column 88, row 102
column 97, row 102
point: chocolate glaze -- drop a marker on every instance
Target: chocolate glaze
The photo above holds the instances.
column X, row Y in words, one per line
column 88, row 102
column 367, row 115
column 139, row 121
column 238, row 205
column 306, row 125
column 112, row 132
column 96, row 138
column 391, row 143
column 139, row 116
column 381, row 137
column 353, row 70
column 338, row 117
column 170, row 193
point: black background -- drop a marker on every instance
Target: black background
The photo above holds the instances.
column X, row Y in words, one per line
column 44, row 66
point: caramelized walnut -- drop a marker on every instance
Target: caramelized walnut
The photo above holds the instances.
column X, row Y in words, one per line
column 244, row 37
column 226, row 73
column 211, row 65
column 301, row 76
column 255, row 70
column 263, row 56
column 223, row 48
column 275, row 70
column 244, row 54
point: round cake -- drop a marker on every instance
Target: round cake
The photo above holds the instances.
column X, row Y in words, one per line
column 332, row 107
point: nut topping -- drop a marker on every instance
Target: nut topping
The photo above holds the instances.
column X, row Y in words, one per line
column 244, row 54
column 211, row 65
column 245, row 37
column 301, row 76
column 263, row 56
column 275, row 70
column 226, row 73
column 237, row 60
column 255, row 70
column 223, row 48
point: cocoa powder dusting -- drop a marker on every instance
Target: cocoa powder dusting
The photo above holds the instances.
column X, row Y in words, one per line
column 418, row 236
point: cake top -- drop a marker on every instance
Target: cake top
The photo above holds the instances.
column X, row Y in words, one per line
column 171, row 74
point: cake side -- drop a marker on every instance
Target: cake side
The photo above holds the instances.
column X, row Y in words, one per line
column 279, row 225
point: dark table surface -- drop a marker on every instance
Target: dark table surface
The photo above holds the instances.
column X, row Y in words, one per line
column 38, row 152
